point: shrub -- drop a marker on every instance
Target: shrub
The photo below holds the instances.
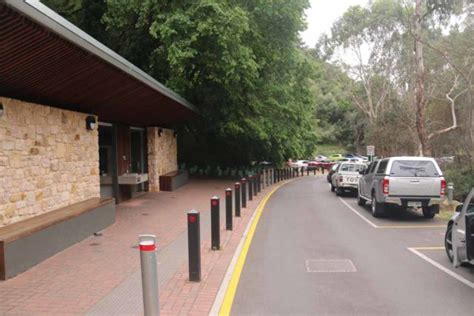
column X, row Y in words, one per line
column 463, row 180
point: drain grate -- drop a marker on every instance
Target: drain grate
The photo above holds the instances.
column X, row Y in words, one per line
column 94, row 244
column 330, row 265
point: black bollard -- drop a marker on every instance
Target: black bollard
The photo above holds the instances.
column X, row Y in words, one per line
column 250, row 184
column 307, row 171
column 215, row 224
column 194, row 246
column 228, row 209
column 314, row 171
column 259, row 182
column 237, row 199
column 256, row 179
column 243, row 190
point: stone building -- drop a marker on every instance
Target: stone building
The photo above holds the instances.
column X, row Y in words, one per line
column 78, row 122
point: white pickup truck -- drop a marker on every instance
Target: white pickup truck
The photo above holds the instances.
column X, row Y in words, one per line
column 405, row 181
column 346, row 177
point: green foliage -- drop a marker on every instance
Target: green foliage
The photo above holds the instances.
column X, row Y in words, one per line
column 237, row 60
column 463, row 179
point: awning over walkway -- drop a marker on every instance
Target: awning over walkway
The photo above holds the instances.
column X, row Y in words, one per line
column 45, row 59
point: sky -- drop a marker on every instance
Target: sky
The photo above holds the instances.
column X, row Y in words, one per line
column 321, row 16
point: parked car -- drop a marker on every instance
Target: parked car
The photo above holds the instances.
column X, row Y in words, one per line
column 405, row 181
column 459, row 242
column 331, row 171
column 346, row 177
column 364, row 158
column 320, row 158
column 336, row 157
column 299, row 164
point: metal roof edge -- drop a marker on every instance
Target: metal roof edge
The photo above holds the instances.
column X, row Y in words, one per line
column 46, row 17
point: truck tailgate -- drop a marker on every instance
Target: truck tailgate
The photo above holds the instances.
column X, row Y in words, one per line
column 415, row 186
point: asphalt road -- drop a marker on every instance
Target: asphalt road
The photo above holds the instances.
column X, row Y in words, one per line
column 314, row 253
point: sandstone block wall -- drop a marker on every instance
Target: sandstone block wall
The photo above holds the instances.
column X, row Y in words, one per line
column 162, row 155
column 48, row 160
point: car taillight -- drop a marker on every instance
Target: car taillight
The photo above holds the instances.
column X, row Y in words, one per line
column 341, row 179
column 386, row 183
column 443, row 187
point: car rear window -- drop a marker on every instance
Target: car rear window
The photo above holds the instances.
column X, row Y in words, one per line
column 413, row 168
column 352, row 167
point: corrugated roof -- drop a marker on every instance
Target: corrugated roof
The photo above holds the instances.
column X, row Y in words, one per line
column 46, row 59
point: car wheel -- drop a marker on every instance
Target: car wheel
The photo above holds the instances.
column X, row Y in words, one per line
column 339, row 191
column 430, row 211
column 377, row 208
column 360, row 201
column 448, row 242
column 332, row 188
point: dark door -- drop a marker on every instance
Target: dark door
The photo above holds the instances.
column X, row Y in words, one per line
column 470, row 233
column 107, row 160
column 138, row 161
column 123, row 160
column 123, row 149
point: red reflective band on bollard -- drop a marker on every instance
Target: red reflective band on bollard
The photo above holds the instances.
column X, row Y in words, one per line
column 147, row 246
column 228, row 193
column 192, row 218
column 214, row 202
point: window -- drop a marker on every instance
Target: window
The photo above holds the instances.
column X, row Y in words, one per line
column 372, row 166
column 470, row 209
column 382, row 166
column 352, row 167
column 413, row 168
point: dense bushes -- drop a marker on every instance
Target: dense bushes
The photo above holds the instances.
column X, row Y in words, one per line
column 463, row 180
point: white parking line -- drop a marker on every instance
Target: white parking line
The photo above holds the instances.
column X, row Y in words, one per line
column 443, row 268
column 359, row 214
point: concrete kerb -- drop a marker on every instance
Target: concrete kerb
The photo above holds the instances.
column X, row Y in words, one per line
column 219, row 299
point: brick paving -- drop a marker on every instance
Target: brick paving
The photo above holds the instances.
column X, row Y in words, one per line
column 75, row 280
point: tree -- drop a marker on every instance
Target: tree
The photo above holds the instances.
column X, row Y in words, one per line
column 237, row 60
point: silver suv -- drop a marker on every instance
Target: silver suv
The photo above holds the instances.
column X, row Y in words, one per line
column 459, row 238
column 405, row 181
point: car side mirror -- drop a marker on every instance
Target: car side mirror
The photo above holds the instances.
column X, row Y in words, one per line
column 459, row 208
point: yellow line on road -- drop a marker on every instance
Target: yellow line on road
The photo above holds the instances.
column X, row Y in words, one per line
column 234, row 281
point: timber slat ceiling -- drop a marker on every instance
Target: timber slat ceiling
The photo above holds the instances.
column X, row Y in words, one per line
column 40, row 66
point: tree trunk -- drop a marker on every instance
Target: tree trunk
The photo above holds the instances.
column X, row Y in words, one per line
column 420, row 99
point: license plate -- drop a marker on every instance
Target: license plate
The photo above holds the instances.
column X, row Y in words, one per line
column 414, row 204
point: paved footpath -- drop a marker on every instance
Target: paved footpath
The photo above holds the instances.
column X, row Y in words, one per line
column 101, row 275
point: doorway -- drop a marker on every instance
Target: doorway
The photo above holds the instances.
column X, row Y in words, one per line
column 107, row 160
column 138, row 159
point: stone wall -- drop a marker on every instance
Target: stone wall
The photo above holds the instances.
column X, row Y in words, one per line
column 48, row 160
column 162, row 155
